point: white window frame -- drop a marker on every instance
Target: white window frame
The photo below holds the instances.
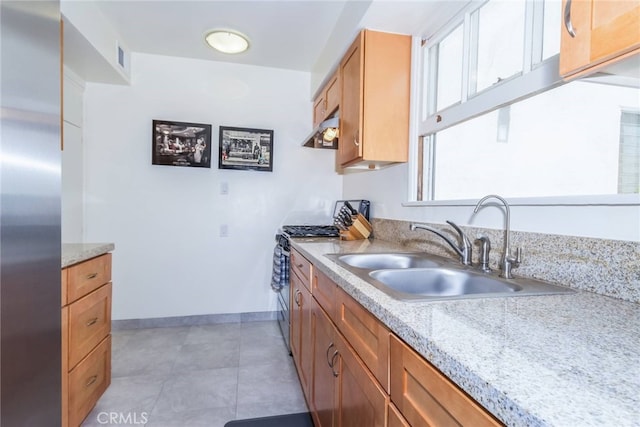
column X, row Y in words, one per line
column 537, row 76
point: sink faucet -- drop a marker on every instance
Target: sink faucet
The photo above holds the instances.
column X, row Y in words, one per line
column 508, row 261
column 463, row 251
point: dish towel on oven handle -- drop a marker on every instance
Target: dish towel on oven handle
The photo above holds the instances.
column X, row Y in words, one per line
column 280, row 275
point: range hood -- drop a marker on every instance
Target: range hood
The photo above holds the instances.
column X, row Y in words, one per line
column 317, row 138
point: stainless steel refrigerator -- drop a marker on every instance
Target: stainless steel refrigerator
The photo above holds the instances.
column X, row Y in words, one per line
column 30, row 104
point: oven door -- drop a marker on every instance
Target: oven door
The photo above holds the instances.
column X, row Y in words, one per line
column 283, row 317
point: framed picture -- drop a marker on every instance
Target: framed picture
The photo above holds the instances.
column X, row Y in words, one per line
column 181, row 144
column 248, row 149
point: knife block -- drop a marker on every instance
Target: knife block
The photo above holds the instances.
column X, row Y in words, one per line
column 360, row 229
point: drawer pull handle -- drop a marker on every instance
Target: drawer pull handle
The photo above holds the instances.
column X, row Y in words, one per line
column 92, row 380
column 567, row 19
column 300, row 265
column 92, row 321
column 333, row 363
column 92, row 276
column 328, row 349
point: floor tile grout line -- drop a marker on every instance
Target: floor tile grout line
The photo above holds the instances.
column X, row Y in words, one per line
column 169, row 375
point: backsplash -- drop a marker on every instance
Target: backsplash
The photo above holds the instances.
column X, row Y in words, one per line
column 606, row 267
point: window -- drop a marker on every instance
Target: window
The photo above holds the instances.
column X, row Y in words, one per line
column 447, row 56
column 497, row 117
column 498, row 28
column 629, row 159
column 549, row 149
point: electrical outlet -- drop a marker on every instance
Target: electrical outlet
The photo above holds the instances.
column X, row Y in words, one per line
column 224, row 188
column 224, row 230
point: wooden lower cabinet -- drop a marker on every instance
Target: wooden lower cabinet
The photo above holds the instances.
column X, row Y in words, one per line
column 359, row 373
column 88, row 381
column 86, row 337
column 322, row 400
column 301, row 343
column 425, row 397
column 344, row 393
column 361, row 401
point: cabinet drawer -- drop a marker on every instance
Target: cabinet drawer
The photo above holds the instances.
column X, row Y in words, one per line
column 301, row 267
column 85, row 277
column 366, row 334
column 426, row 397
column 324, row 291
column 88, row 381
column 89, row 323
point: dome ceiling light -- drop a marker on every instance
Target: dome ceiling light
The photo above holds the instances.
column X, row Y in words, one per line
column 227, row 41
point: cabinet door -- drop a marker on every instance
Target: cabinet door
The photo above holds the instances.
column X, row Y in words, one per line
column 375, row 78
column 604, row 31
column 425, row 397
column 324, row 291
column 319, row 110
column 332, row 94
column 366, row 334
column 361, row 400
column 351, row 73
column 301, row 345
column 323, row 383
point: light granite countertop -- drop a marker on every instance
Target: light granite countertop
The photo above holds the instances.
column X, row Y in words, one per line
column 73, row 253
column 556, row 360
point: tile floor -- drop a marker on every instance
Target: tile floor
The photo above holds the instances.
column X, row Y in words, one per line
column 198, row 376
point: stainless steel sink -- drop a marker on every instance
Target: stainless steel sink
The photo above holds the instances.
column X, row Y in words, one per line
column 377, row 261
column 422, row 277
column 441, row 282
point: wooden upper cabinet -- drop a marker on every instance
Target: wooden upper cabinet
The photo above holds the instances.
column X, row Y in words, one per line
column 375, row 76
column 327, row 101
column 604, row 32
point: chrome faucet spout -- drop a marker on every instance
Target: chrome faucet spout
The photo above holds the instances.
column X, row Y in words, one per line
column 465, row 248
column 508, row 261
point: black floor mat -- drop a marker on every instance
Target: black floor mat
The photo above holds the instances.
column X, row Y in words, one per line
column 302, row 419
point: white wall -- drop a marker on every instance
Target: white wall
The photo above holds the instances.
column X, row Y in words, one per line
column 387, row 190
column 165, row 221
column 72, row 158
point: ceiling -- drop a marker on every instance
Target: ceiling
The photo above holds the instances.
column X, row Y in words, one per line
column 303, row 35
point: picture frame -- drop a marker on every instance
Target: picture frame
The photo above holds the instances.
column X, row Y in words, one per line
column 181, row 144
column 245, row 149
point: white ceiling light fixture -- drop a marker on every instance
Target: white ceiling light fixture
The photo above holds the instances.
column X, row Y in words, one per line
column 227, row 41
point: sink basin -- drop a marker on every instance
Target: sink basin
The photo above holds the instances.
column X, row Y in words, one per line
column 418, row 276
column 379, row 261
column 441, row 282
